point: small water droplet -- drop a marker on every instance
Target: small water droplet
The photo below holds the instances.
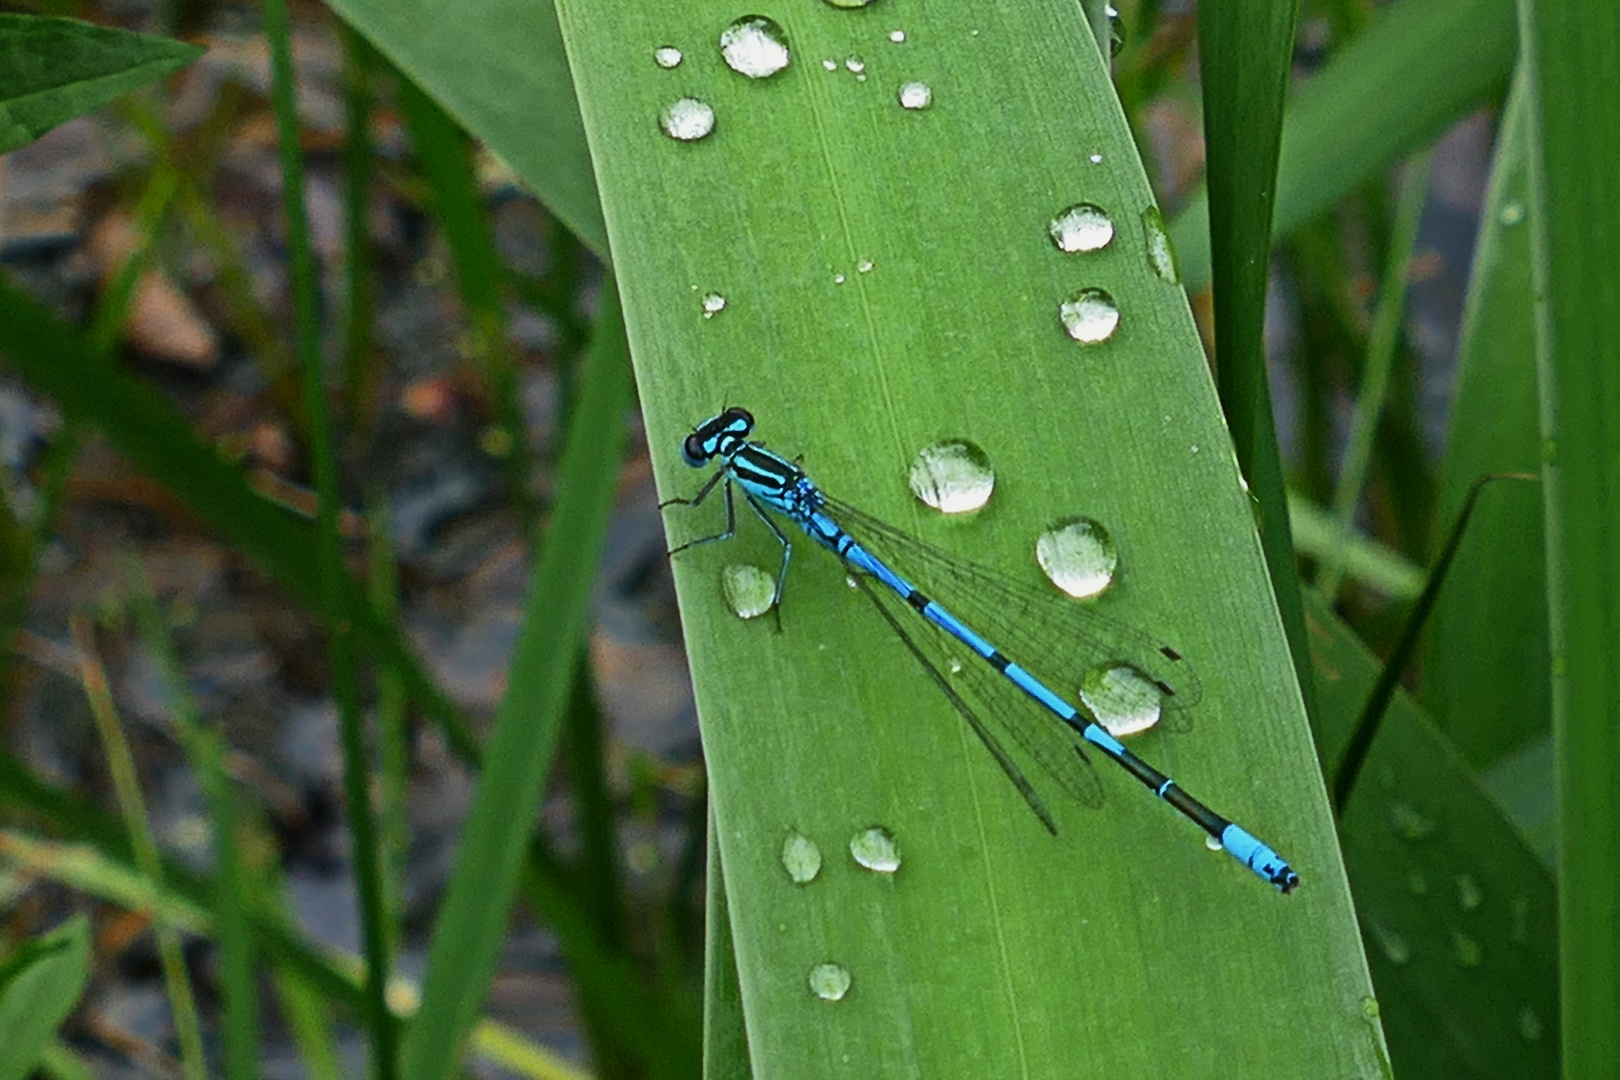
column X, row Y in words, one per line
column 1409, row 824
column 1469, row 952
column 749, row 591
column 687, row 119
column 1417, row 884
column 801, row 858
column 954, row 477
column 1078, row 556
column 1369, row 1007
column 1089, row 316
column 1530, row 1024
column 954, row 666
column 1213, row 844
column 1095, row 159
column 1390, row 942
column 1121, row 698
column 864, row 266
column 713, row 304
column 855, row 64
column 1512, row 213
column 850, row 4
column 897, row 36
column 1469, row 896
column 1161, row 254
column 755, row 46
column 830, row 64
column 915, row 95
column 875, row 849
column 1082, row 227
column 829, row 982
column 667, row 56
column 838, row 279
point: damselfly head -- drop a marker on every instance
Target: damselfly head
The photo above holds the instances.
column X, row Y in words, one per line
column 717, row 436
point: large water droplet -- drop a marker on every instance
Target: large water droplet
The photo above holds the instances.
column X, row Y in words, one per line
column 1121, row 698
column 713, row 304
column 915, row 95
column 749, row 591
column 687, row 119
column 829, row 982
column 875, row 849
column 755, row 46
column 1161, row 255
column 1089, row 316
column 855, row 64
column 897, row 36
column 667, row 56
column 954, row 477
column 1082, row 227
column 801, row 858
column 1078, row 556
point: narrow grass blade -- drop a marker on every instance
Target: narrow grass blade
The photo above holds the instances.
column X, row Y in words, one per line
column 1487, row 666
column 1346, row 127
column 473, row 918
column 132, row 806
column 1317, row 533
column 725, row 1036
column 338, row 591
column 205, row 751
column 1372, row 712
column 1246, row 52
column 1383, row 341
column 1572, row 68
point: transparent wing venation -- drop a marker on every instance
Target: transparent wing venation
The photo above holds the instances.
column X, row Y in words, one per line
column 1052, row 744
column 1050, row 634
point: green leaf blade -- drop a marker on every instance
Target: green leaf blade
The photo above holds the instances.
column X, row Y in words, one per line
column 1123, row 947
column 52, row 70
column 38, row 989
